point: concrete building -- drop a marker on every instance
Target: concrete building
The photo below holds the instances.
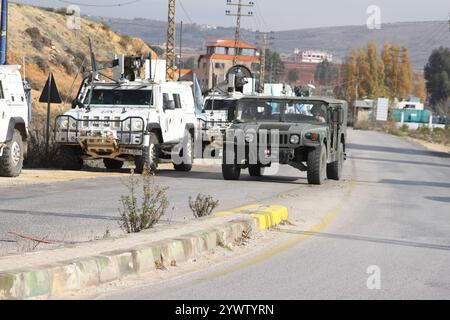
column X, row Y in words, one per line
column 213, row 66
column 311, row 56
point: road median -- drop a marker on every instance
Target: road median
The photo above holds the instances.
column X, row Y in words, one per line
column 62, row 271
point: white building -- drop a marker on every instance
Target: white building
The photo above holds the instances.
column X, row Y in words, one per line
column 312, row 56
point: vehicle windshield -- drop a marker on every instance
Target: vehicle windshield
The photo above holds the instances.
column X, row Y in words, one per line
column 219, row 105
column 281, row 111
column 119, row 97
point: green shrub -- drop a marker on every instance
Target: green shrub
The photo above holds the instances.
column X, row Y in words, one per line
column 135, row 215
column 203, row 205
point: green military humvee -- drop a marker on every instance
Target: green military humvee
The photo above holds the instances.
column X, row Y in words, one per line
column 306, row 133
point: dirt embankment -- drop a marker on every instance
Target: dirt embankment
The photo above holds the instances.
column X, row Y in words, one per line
column 44, row 40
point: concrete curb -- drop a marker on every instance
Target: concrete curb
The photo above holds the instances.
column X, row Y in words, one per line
column 70, row 276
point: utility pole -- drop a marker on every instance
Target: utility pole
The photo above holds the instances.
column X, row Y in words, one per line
column 238, row 14
column 170, row 44
column 263, row 41
column 181, row 51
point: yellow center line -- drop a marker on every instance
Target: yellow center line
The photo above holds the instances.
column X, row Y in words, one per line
column 329, row 218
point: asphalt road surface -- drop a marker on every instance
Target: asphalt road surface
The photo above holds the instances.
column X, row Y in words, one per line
column 394, row 222
column 391, row 235
column 83, row 210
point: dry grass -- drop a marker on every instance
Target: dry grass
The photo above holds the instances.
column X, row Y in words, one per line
column 60, row 50
column 437, row 135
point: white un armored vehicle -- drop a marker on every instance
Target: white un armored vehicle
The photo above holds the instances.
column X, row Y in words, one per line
column 128, row 117
column 15, row 113
column 15, row 109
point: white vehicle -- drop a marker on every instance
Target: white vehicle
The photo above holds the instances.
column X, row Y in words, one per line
column 15, row 113
column 145, row 120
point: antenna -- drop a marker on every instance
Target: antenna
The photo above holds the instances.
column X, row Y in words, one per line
column 238, row 14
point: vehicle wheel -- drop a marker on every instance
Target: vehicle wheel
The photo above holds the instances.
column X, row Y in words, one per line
column 69, row 158
column 317, row 165
column 230, row 171
column 334, row 169
column 11, row 162
column 188, row 156
column 255, row 170
column 112, row 164
column 150, row 156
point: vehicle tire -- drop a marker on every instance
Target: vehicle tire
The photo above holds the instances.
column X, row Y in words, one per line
column 149, row 157
column 230, row 171
column 69, row 158
column 187, row 157
column 113, row 164
column 334, row 169
column 317, row 165
column 255, row 170
column 11, row 162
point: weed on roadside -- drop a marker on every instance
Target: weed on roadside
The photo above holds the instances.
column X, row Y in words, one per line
column 135, row 215
column 203, row 205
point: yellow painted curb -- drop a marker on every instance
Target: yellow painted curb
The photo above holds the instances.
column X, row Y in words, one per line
column 267, row 215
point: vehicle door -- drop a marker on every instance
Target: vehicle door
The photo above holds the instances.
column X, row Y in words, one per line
column 334, row 127
column 168, row 116
column 5, row 113
column 179, row 120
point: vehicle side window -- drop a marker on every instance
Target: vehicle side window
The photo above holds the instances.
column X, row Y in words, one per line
column 166, row 100
column 2, row 95
column 177, row 99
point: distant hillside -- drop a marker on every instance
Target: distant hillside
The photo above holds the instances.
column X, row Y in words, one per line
column 42, row 37
column 419, row 37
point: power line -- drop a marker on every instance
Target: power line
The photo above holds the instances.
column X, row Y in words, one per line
column 121, row 4
column 185, row 12
column 238, row 14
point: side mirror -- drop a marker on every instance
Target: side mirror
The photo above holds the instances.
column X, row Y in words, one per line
column 169, row 105
column 77, row 103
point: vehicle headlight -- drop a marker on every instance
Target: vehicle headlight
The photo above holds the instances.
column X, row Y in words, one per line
column 136, row 125
column 295, row 139
column 249, row 137
column 63, row 123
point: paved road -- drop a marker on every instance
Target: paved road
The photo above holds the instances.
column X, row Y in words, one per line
column 397, row 218
column 82, row 210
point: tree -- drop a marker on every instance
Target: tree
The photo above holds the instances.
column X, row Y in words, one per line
column 419, row 87
column 373, row 69
column 189, row 63
column 274, row 67
column 437, row 74
column 363, row 72
column 326, row 73
column 350, row 77
column 158, row 50
column 293, row 75
column 405, row 76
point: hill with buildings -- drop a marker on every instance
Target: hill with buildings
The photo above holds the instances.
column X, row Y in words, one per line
column 41, row 40
column 419, row 37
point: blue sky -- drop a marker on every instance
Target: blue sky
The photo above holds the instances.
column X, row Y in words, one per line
column 268, row 14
